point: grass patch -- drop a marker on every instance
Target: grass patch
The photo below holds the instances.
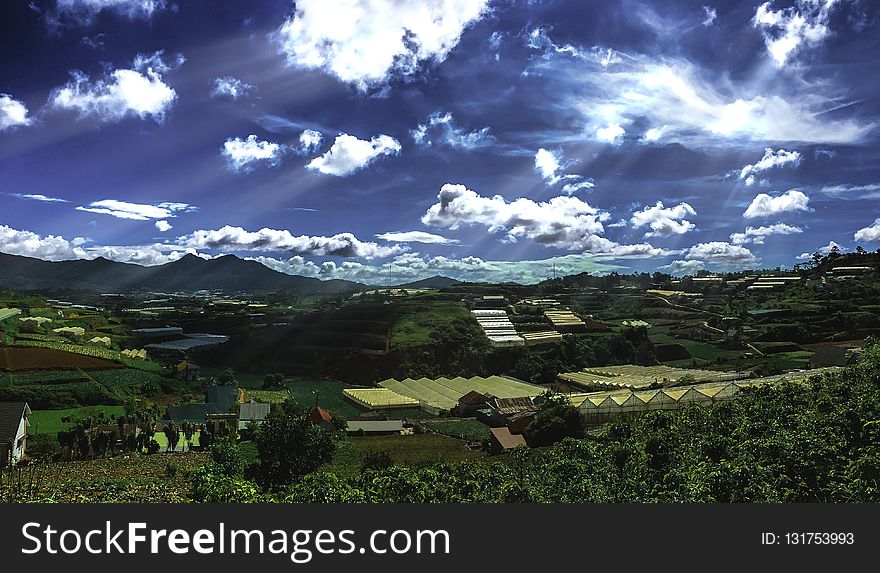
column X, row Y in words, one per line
column 469, row 429
column 418, row 319
column 49, row 421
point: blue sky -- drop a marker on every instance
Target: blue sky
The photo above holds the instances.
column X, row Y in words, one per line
column 384, row 141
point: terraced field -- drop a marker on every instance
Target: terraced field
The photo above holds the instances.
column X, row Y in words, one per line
column 39, row 358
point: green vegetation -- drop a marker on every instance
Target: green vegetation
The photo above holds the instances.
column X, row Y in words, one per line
column 417, row 322
column 468, row 429
column 50, row 421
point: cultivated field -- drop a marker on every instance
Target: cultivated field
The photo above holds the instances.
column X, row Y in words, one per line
column 15, row 358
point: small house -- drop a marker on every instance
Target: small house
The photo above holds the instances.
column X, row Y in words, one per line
column 188, row 370
column 321, row 418
column 252, row 412
column 501, row 440
column 471, row 402
column 13, row 431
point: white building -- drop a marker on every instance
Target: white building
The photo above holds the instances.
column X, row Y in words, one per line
column 13, row 431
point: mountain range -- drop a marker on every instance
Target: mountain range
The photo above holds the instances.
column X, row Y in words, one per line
column 189, row 273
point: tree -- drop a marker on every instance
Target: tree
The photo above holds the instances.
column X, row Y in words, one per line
column 273, row 380
column 556, row 419
column 172, row 434
column 290, row 446
column 228, row 378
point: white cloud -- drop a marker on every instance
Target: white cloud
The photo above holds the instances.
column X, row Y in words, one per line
column 763, row 205
column 238, row 239
column 654, row 134
column 562, row 222
column 29, row 244
column 365, row 42
column 548, row 164
column 163, row 226
column 709, row 16
column 572, row 188
column 310, row 141
column 721, row 253
column 230, row 87
column 868, row 191
column 756, row 235
column 697, row 108
column 791, row 29
column 13, row 113
column 868, row 234
column 349, row 154
column 770, row 160
column 680, row 267
column 440, row 128
column 664, row 221
column 140, row 91
column 416, row 237
column 831, row 246
column 242, row 155
column 539, row 39
column 38, row 197
column 611, row 133
column 84, row 11
column 136, row 211
column 409, row 267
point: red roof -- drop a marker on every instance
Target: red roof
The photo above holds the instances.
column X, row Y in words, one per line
column 319, row 415
column 472, row 398
column 507, row 440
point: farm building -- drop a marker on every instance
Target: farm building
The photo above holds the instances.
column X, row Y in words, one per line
column 9, row 313
column 375, row 427
column 192, row 341
column 188, row 370
column 543, row 337
column 321, row 418
column 164, row 332
column 564, row 320
column 497, row 327
column 602, row 407
column 634, row 377
column 252, row 412
column 442, row 394
column 501, row 440
column 378, row 398
column 13, row 431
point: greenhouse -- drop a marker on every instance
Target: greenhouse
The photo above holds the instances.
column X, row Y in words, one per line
column 379, row 398
column 442, row 394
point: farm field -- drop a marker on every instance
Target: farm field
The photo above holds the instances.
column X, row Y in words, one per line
column 414, row 450
column 49, row 421
column 417, row 320
column 465, row 429
column 329, row 394
column 15, row 358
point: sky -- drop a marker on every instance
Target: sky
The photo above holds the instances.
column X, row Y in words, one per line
column 384, row 141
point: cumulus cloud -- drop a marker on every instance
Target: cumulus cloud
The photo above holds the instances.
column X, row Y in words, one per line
column 763, row 205
column 365, row 42
column 136, row 211
column 756, row 235
column 38, row 197
column 416, row 237
column 664, row 221
column 410, row 267
column 242, row 155
column 138, row 91
column 869, row 234
column 310, row 141
column 562, row 222
column 770, row 160
column 13, row 113
column 349, row 154
column 831, row 246
column 721, row 254
column 85, row 11
column 230, row 87
column 163, row 226
column 230, row 238
column 440, row 128
column 29, row 244
column 792, row 29
column 654, row 134
column 681, row 267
